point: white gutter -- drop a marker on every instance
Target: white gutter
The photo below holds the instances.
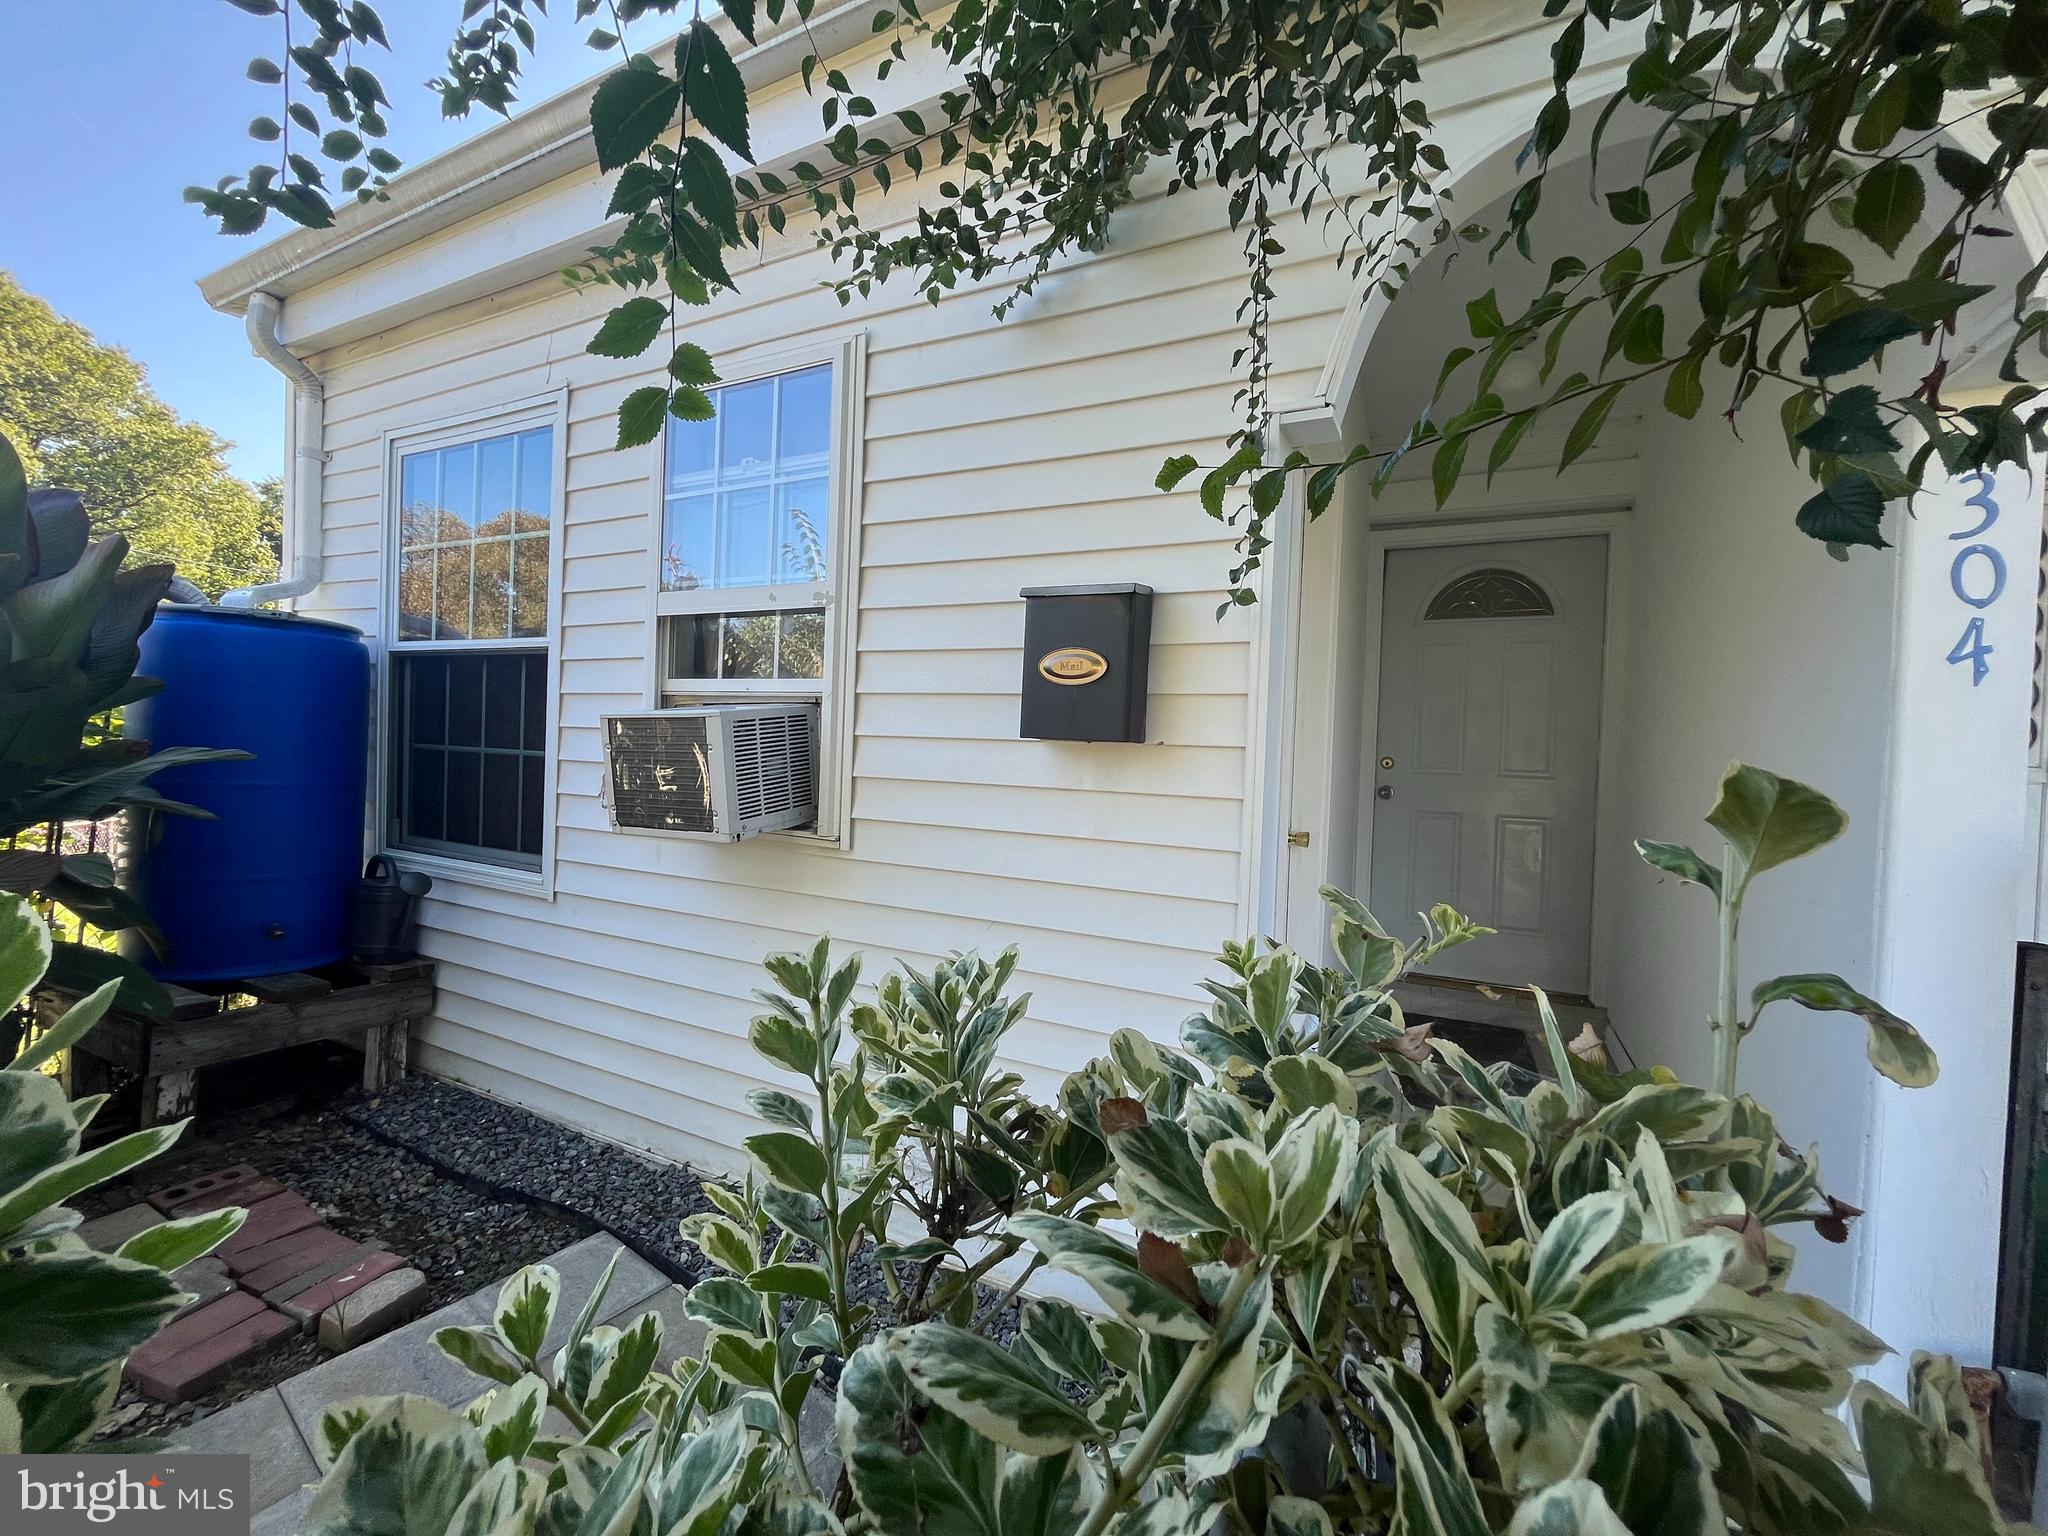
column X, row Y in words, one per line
column 304, row 490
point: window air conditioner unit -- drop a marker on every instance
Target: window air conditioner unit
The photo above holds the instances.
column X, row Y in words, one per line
column 718, row 772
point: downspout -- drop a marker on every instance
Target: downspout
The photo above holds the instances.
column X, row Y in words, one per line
column 303, row 489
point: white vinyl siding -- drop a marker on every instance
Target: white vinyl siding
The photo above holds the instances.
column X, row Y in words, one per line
column 993, row 455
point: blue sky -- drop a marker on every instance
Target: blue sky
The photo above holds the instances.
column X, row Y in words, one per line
column 110, row 108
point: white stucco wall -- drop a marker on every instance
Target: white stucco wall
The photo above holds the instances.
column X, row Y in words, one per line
column 1740, row 638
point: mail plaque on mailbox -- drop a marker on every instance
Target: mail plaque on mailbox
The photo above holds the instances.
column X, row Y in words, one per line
column 1085, row 658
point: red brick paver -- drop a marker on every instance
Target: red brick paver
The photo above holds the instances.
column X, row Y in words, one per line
column 239, row 1185
column 266, row 1268
column 191, row 1371
column 279, row 1216
column 307, row 1306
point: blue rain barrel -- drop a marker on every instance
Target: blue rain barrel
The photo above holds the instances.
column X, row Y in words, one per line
column 268, row 885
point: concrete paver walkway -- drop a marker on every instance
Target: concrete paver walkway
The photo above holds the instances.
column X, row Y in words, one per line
column 275, row 1428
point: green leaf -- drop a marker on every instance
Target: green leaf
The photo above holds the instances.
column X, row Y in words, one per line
column 1111, row 1270
column 708, row 186
column 1849, row 341
column 77, row 1022
column 1649, row 1285
column 1683, row 391
column 1895, row 1047
column 1161, row 1179
column 724, row 1301
column 55, row 1185
column 173, row 1244
column 785, row 1042
column 1312, row 1166
column 1677, row 859
column 1849, row 509
column 526, row 1308
column 1573, row 1507
column 691, row 364
column 1574, row 1238
column 945, row 1480
column 341, row 145
column 59, row 1416
column 1650, row 1470
column 806, row 1280
column 24, row 936
column 630, row 329
column 478, row 1350
column 1850, row 424
column 1240, row 1181
column 1889, row 201
column 641, row 414
column 63, row 1315
column 404, row 1472
column 742, row 1359
column 1176, row 469
column 1769, row 820
column 1435, row 1248
column 791, row 1160
column 980, row 1382
column 631, row 109
column 1586, row 430
column 712, row 88
column 512, row 1422
column 1434, row 1492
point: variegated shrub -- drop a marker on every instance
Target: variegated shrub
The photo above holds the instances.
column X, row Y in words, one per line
column 1349, row 1280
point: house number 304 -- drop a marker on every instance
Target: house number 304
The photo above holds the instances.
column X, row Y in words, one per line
column 1977, row 577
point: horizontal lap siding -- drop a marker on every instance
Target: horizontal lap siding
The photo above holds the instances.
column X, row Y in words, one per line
column 997, row 455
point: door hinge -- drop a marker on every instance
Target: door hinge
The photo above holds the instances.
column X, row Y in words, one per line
column 1297, row 839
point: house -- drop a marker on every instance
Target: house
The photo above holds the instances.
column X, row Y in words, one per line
column 1481, row 703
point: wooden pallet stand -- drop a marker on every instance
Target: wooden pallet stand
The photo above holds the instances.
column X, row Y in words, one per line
column 373, row 1005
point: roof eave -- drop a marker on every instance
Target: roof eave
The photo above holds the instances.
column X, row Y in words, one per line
column 548, row 142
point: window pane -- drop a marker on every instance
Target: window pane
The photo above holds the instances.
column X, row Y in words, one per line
column 498, row 489
column 493, row 611
column 416, row 595
column 692, row 452
column 530, row 586
column 806, row 416
column 422, row 803
column 801, row 524
column 532, row 805
column 744, row 532
column 501, row 802
column 750, row 645
column 686, row 544
column 426, row 679
column 465, row 701
column 467, row 762
column 452, row 565
column 504, row 698
column 535, row 718
column 458, row 488
column 693, row 644
column 465, row 797
column 802, row 653
column 417, row 499
column 746, row 417
column 536, row 501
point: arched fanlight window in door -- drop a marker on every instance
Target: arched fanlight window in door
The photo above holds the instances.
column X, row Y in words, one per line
column 1493, row 593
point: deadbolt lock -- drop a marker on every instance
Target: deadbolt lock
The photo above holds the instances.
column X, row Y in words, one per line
column 1386, row 763
column 1297, row 839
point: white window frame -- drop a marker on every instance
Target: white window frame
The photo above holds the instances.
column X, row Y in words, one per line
column 551, row 411
column 839, row 594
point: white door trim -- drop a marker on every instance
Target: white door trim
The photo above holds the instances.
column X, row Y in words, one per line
column 1309, row 686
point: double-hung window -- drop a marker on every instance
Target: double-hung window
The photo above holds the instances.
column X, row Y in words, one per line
column 468, row 682
column 751, row 547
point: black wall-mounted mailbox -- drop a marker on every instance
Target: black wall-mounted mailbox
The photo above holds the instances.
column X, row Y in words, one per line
column 1086, row 652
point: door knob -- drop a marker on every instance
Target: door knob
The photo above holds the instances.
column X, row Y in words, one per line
column 1385, row 791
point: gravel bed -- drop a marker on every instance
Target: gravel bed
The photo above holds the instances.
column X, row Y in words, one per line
column 636, row 1198
column 366, row 1188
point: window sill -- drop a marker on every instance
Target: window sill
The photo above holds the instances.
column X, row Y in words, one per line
column 497, row 877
